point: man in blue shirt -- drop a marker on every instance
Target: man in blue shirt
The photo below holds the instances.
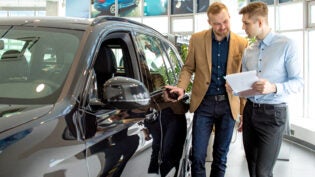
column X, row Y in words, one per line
column 279, row 70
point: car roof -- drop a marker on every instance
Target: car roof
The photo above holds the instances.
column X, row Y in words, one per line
column 62, row 22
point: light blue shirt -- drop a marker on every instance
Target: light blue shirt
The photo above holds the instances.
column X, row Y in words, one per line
column 275, row 58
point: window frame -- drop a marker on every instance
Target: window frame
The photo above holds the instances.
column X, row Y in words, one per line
column 310, row 4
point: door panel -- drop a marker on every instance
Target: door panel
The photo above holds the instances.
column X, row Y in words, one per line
column 168, row 129
column 119, row 137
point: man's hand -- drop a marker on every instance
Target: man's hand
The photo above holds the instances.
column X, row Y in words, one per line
column 173, row 90
column 228, row 88
column 263, row 86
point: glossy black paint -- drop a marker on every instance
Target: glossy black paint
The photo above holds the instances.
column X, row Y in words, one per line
column 75, row 128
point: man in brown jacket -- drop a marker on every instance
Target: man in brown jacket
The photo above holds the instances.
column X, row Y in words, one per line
column 212, row 54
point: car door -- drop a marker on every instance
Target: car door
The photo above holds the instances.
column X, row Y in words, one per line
column 167, row 126
column 176, row 62
column 134, row 142
column 119, row 135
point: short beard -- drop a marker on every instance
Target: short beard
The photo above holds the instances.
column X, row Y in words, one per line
column 222, row 34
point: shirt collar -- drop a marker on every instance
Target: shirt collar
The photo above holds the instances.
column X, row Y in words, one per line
column 267, row 40
column 226, row 38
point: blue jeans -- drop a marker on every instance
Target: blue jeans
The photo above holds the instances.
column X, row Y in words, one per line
column 209, row 113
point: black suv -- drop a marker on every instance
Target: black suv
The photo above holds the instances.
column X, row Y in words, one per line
column 84, row 97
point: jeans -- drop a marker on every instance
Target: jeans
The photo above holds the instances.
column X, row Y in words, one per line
column 263, row 127
column 218, row 114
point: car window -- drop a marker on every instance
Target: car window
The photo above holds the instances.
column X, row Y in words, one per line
column 36, row 61
column 175, row 60
column 153, row 61
column 119, row 57
column 111, row 60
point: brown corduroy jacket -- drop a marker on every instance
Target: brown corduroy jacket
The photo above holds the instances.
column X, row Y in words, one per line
column 199, row 63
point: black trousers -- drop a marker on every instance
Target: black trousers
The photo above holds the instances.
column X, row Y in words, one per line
column 263, row 127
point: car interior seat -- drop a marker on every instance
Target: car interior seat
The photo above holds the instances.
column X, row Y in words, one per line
column 13, row 66
column 105, row 68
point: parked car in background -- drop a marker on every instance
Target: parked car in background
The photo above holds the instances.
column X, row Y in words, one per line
column 110, row 6
column 78, row 98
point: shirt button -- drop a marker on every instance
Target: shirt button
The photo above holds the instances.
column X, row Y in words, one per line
column 219, row 67
column 218, row 78
column 218, row 54
column 218, row 89
column 259, row 71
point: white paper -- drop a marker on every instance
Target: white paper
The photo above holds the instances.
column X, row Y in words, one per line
column 241, row 81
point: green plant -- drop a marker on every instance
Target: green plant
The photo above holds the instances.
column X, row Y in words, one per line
column 183, row 53
column 251, row 40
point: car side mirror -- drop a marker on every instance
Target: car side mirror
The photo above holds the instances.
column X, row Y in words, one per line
column 125, row 93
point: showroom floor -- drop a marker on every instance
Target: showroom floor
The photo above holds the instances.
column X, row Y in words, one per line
column 294, row 161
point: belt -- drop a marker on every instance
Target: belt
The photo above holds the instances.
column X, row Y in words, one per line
column 266, row 106
column 217, row 97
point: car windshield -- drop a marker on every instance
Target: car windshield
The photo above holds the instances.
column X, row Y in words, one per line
column 34, row 63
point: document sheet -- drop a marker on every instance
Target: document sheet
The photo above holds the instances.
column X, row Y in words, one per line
column 240, row 82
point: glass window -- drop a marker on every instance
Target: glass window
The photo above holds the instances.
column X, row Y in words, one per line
column 183, row 24
column 72, row 9
column 271, row 17
column 153, row 63
column 22, row 13
column 235, row 18
column 296, row 18
column 135, row 19
column 201, row 22
column 269, row 2
column 40, row 13
column 36, row 61
column 312, row 13
column 283, row 1
column 311, row 76
column 3, row 13
column 176, row 64
column 158, row 23
column 119, row 56
column 236, row 26
column 23, row 8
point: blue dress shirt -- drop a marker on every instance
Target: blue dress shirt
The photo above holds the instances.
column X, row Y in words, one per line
column 275, row 58
column 219, row 60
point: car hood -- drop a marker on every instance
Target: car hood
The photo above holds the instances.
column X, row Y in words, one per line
column 15, row 115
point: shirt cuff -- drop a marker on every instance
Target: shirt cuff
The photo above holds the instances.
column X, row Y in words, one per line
column 279, row 88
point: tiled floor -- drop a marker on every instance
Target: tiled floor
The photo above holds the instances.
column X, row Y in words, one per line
column 296, row 161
